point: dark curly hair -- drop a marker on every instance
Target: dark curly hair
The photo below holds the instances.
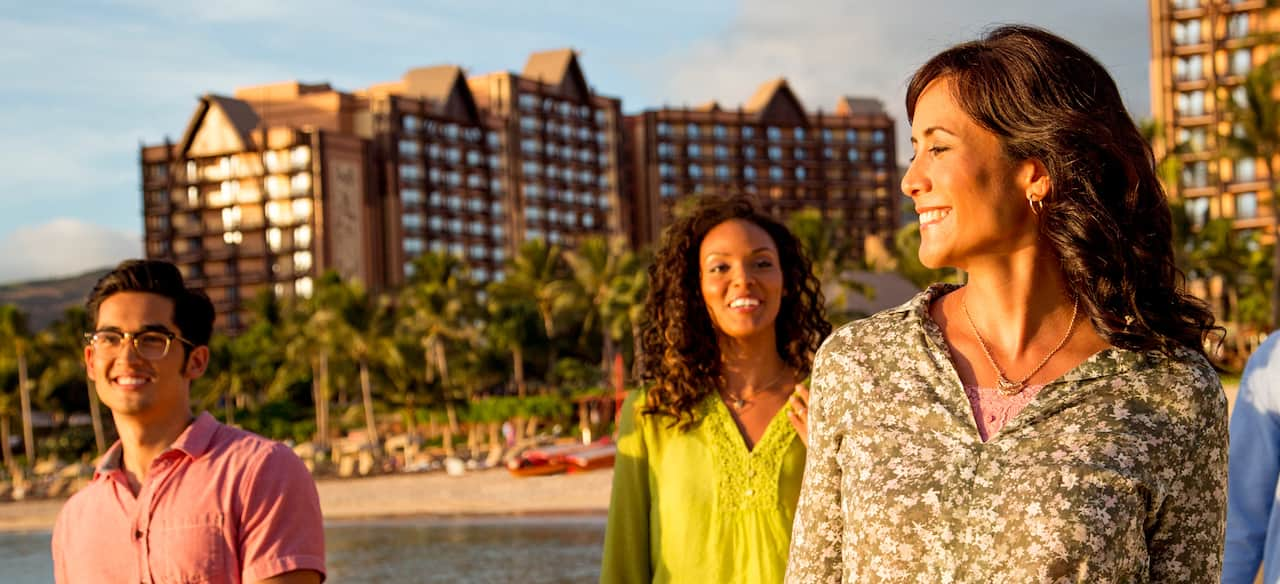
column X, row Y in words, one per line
column 680, row 360
column 1106, row 217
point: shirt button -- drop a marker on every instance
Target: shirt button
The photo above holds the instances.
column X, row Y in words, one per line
column 750, row 492
column 137, row 534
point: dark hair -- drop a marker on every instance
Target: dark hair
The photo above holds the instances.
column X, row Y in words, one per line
column 681, row 356
column 1106, row 217
column 193, row 313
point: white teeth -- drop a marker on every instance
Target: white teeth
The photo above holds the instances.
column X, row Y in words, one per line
column 744, row 302
column 131, row 380
column 933, row 216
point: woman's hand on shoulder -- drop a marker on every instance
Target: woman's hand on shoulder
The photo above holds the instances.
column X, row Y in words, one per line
column 799, row 412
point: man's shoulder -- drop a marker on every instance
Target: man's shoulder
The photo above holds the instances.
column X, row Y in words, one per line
column 248, row 451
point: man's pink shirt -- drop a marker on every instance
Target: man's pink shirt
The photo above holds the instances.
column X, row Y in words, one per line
column 220, row 505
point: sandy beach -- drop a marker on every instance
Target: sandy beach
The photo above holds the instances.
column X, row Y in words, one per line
column 489, row 492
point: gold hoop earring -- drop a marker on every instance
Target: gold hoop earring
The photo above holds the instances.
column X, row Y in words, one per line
column 1037, row 205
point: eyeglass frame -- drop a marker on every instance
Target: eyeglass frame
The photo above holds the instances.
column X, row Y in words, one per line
column 132, row 338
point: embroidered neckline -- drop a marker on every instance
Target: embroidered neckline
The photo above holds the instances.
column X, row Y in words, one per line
column 746, row 479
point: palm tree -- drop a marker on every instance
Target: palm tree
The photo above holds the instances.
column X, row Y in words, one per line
column 598, row 268
column 1256, row 134
column 537, row 271
column 359, row 327
column 305, row 355
column 439, row 305
column 65, row 346
column 512, row 325
column 15, row 340
column 624, row 313
column 833, row 255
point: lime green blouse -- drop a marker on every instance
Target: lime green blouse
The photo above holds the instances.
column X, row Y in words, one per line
column 698, row 506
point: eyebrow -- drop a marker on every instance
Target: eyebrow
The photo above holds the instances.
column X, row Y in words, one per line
column 931, row 129
column 145, row 328
column 753, row 252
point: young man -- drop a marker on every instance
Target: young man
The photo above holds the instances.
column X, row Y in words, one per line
column 1253, row 480
column 179, row 498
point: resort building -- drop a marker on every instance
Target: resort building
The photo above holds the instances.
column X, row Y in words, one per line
column 271, row 186
column 1201, row 52
column 841, row 162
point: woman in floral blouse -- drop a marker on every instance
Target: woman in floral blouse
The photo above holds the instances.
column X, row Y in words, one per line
column 1055, row 418
column 710, row 457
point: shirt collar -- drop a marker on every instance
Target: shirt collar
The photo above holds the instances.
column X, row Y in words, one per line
column 194, row 441
column 1109, row 361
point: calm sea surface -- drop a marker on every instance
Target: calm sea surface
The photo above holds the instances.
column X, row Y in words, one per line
column 500, row 549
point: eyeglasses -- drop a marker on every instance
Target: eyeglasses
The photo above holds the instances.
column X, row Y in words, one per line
column 152, row 345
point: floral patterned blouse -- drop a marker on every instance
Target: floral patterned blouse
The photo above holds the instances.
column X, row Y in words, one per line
column 1115, row 472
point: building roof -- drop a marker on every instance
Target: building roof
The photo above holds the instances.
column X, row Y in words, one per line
column 234, row 114
column 859, row 105
column 774, row 100
column 558, row 68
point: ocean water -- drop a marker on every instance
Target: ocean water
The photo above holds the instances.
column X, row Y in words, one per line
column 533, row 549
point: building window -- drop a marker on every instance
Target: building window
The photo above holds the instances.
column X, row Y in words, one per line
column 878, row 156
column 410, row 172
column 667, row 190
column 694, row 151
column 1189, row 68
column 722, row 173
column 1186, row 32
column 302, row 237
column 800, row 154
column 1247, row 205
column 1191, row 103
column 722, row 151
column 748, row 132
column 1195, row 139
column 663, row 129
column 799, row 134
column 854, row 155
column 775, row 153
column 1246, row 170
column 801, row 173
column 411, row 196
column 695, row 171
column 691, row 131
column 664, row 150
column 1238, row 26
column 773, row 133
column 749, row 173
column 664, row 170
column 409, row 123
column 1241, row 61
column 775, row 172
column 413, row 246
column 412, row 221
column 1195, row 174
column 1185, row 4
column 749, row 152
column 409, row 148
column 826, row 135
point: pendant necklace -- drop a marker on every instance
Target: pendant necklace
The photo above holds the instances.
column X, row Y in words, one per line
column 1004, row 385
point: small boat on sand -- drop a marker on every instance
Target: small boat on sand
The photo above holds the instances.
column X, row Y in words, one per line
column 563, row 458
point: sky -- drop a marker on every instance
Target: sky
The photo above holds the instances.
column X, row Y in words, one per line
column 85, row 83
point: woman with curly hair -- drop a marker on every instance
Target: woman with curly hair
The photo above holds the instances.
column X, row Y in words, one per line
column 710, row 456
column 1055, row 419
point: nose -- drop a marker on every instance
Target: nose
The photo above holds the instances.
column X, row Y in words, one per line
column 129, row 351
column 914, row 181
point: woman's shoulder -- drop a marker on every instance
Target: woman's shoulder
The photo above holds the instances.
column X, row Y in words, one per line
column 885, row 328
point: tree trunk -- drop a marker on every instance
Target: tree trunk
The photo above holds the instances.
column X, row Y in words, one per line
column 320, row 387
column 517, row 361
column 450, row 428
column 366, row 395
column 495, row 444
column 5, row 431
column 24, row 394
column 95, row 414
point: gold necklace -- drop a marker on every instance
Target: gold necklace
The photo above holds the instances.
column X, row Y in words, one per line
column 1003, row 384
column 738, row 402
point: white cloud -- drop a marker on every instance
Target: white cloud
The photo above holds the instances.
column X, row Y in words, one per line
column 830, row 48
column 63, row 247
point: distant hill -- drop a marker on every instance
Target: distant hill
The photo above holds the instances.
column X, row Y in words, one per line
column 45, row 300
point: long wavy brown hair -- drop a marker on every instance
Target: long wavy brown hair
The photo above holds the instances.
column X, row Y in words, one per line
column 680, row 361
column 1106, row 218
